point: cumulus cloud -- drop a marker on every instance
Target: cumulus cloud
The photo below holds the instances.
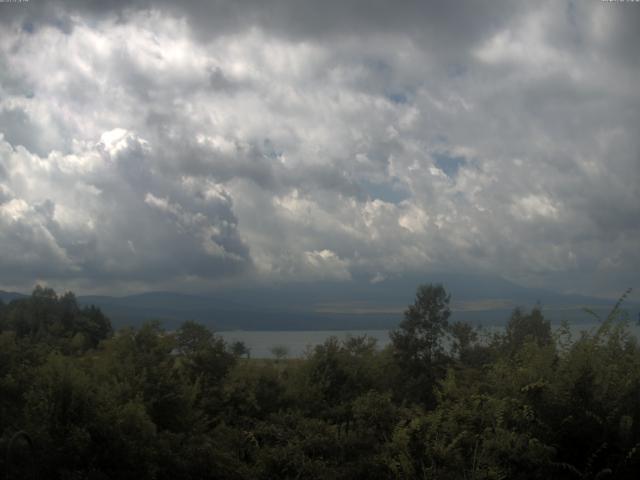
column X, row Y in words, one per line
column 156, row 144
column 102, row 215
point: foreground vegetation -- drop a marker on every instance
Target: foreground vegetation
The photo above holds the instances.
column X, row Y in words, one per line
column 80, row 401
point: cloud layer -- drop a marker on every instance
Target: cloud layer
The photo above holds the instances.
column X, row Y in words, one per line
column 148, row 145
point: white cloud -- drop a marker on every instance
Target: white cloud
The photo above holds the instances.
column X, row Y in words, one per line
column 532, row 206
column 325, row 264
column 161, row 147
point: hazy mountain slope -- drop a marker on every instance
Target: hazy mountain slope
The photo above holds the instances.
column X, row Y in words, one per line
column 478, row 299
column 6, row 297
column 349, row 305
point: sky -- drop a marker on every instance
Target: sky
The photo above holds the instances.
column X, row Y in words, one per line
column 190, row 146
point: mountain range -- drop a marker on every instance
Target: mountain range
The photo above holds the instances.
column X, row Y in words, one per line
column 337, row 306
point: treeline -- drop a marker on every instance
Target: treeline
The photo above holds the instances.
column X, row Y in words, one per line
column 78, row 400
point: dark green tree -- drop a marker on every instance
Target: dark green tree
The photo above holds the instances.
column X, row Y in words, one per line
column 418, row 343
column 205, row 359
column 240, row 349
column 523, row 327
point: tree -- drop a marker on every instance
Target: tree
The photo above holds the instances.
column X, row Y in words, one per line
column 417, row 343
column 280, row 352
column 419, row 337
column 466, row 346
column 240, row 349
column 523, row 327
column 205, row 359
column 464, row 336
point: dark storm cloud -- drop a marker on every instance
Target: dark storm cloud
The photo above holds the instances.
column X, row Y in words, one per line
column 450, row 25
column 447, row 26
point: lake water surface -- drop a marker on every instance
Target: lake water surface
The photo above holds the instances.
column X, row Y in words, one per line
column 299, row 342
column 296, row 342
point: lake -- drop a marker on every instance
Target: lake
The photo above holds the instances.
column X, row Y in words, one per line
column 298, row 342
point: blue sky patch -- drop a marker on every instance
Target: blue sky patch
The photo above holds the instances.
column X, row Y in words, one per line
column 387, row 192
column 397, row 97
column 449, row 164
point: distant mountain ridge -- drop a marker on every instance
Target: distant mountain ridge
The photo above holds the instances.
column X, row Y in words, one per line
column 339, row 306
column 7, row 297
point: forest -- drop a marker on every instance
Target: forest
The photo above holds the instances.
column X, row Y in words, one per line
column 443, row 401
